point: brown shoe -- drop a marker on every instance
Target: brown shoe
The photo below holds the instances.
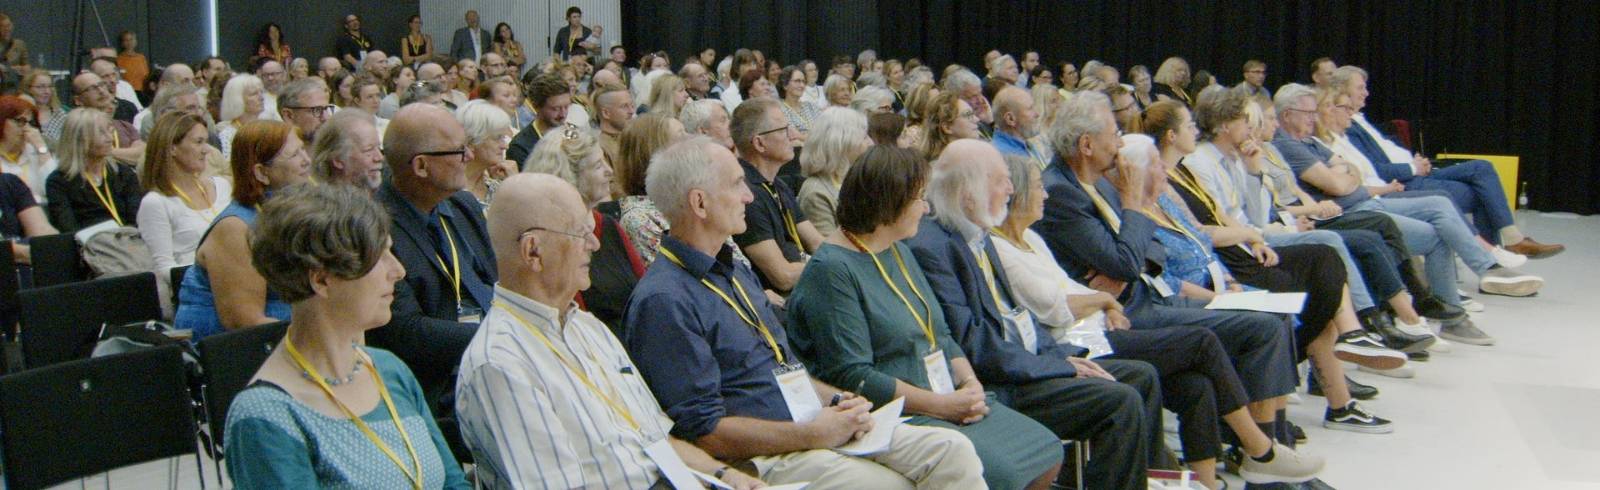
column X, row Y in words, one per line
column 1536, row 250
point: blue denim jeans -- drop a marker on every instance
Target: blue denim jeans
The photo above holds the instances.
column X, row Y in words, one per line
column 1474, row 187
column 1359, row 295
column 1434, row 229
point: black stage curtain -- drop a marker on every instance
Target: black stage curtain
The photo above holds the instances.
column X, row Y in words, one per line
column 1489, row 76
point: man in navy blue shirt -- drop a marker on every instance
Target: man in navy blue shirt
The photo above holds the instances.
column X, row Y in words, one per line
column 711, row 349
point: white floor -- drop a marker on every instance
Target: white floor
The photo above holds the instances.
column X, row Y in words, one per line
column 1524, row 414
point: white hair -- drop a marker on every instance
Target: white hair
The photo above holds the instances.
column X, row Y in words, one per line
column 960, row 80
column 835, row 136
column 1079, row 116
column 918, row 76
column 1139, row 149
column 482, row 120
column 955, row 182
column 872, row 79
column 696, row 114
column 233, row 97
column 1286, row 96
column 724, row 66
column 675, row 171
column 836, row 80
column 999, row 61
column 870, row 97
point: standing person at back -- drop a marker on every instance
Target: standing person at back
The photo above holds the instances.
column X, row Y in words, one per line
column 470, row 42
column 572, row 38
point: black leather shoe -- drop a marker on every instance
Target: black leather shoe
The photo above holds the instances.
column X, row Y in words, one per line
column 1357, row 390
column 1419, row 356
column 1378, row 322
column 1431, row 307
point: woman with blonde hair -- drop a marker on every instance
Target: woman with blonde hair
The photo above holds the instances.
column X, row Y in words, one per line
column 839, row 135
column 89, row 187
column 949, row 118
column 667, row 96
column 643, row 222
column 918, row 100
column 1172, row 81
column 1046, row 98
column 38, row 89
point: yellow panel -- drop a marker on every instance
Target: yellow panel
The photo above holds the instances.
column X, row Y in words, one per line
column 1505, row 165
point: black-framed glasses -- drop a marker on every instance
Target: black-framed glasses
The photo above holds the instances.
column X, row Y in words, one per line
column 462, row 152
column 774, row 130
column 320, row 110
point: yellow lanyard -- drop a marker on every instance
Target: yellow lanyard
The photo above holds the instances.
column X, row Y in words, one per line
column 1193, row 187
column 116, row 140
column 185, row 197
column 989, row 277
column 22, row 170
column 923, row 320
column 1105, row 207
column 1271, row 182
column 1166, row 221
column 454, row 269
column 105, row 199
column 1037, row 158
column 576, row 370
column 756, row 322
column 416, row 476
column 788, row 219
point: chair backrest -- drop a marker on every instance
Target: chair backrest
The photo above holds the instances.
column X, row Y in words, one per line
column 176, row 276
column 56, row 260
column 229, row 360
column 62, row 323
column 8, row 289
column 91, row 416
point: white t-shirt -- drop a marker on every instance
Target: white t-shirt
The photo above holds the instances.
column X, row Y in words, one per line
column 1038, row 283
column 172, row 230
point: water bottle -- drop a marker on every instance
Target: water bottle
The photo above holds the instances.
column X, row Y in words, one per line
column 1522, row 197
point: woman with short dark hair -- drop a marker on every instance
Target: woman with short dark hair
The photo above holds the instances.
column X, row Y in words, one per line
column 324, row 410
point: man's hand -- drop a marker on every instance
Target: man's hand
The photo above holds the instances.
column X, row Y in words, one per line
column 1390, row 188
column 1264, row 254
column 1251, row 151
column 1304, row 224
column 1104, row 284
column 840, row 423
column 1129, row 182
column 1088, row 369
column 740, row 481
column 1115, row 320
column 1421, row 164
column 1328, row 209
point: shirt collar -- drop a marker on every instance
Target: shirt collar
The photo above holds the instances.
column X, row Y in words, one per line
column 545, row 314
column 696, row 263
column 1008, row 139
column 753, row 174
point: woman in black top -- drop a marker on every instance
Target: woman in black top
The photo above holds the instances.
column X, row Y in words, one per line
column 20, row 217
column 89, row 187
column 567, row 41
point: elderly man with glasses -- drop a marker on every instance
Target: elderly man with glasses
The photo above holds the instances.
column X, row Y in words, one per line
column 777, row 236
column 440, row 237
column 304, row 103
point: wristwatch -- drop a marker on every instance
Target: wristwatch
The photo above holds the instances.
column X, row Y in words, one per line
column 721, row 471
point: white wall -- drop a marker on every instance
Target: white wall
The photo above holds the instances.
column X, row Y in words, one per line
column 532, row 20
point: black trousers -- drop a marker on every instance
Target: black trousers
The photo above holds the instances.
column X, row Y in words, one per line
column 1112, row 415
column 1312, row 269
column 1383, row 225
column 1261, row 345
column 1197, row 381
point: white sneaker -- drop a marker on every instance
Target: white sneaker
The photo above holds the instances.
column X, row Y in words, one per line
column 1402, row 372
column 1441, row 346
column 1471, row 305
column 1421, row 328
column 1506, row 281
column 1294, row 399
column 1507, row 258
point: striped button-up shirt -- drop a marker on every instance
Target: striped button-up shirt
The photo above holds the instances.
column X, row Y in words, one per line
column 531, row 422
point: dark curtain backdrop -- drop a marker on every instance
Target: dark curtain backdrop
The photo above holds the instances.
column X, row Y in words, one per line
column 310, row 27
column 1489, row 76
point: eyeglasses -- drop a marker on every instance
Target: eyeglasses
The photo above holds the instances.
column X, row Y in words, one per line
column 774, row 130
column 1347, row 108
column 25, row 121
column 318, row 110
column 582, row 235
column 969, row 115
column 462, row 152
column 1291, row 109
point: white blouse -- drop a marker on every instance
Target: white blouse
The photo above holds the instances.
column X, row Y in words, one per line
column 32, row 167
column 172, row 230
column 1038, row 282
column 1342, row 146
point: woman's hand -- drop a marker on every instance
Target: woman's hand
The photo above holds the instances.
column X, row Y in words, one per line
column 740, row 481
column 1264, row 254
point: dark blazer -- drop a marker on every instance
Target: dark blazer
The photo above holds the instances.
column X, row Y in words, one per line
column 461, row 44
column 73, row 206
column 561, row 41
column 423, row 330
column 975, row 322
column 1369, row 147
column 1082, row 241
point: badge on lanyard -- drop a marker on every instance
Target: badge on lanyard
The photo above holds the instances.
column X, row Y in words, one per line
column 938, row 372
column 1219, row 281
column 798, row 393
column 1019, row 326
column 1287, row 218
column 665, row 458
column 468, row 314
column 1161, row 286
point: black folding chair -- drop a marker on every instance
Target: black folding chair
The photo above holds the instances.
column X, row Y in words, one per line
column 229, row 360
column 10, row 353
column 56, row 260
column 176, row 276
column 91, row 416
column 62, row 323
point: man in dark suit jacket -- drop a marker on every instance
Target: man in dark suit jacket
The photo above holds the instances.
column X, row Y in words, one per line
column 1104, row 241
column 1009, row 350
column 440, row 237
column 461, row 46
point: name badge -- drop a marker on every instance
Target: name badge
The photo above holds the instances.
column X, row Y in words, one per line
column 1287, row 218
column 1019, row 327
column 1161, row 286
column 798, row 393
column 672, row 466
column 938, row 372
column 468, row 314
column 1219, row 281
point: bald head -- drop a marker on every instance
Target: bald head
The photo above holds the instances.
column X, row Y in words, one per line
column 603, row 77
column 527, row 200
column 1013, row 109
column 966, row 151
column 418, row 128
column 970, row 187
column 177, row 74
column 430, row 72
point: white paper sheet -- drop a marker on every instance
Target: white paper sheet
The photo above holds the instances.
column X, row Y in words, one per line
column 1290, row 303
column 884, row 420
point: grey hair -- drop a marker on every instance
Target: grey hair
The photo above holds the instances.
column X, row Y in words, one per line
column 870, row 97
column 335, row 140
column 866, row 58
column 918, row 76
column 1139, row 149
column 835, row 135
column 953, row 183
column 481, row 120
column 332, row 228
column 1215, row 106
column 565, row 158
column 872, row 79
column 1021, row 182
column 233, row 97
column 676, row 170
column 999, row 61
column 1286, row 96
column 78, row 133
column 696, row 114
column 162, row 103
column 960, row 81
column 1342, row 75
column 421, row 90
column 1078, row 116
column 298, row 89
column 834, row 81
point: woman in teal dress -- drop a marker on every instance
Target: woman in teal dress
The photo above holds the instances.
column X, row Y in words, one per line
column 862, row 316
column 324, row 411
